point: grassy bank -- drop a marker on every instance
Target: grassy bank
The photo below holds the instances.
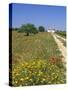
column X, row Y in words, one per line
column 36, row 60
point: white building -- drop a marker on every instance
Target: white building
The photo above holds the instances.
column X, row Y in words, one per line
column 51, row 30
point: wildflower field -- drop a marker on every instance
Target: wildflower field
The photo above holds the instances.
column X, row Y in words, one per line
column 36, row 60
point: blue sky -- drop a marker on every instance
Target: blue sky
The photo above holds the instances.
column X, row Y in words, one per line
column 39, row 15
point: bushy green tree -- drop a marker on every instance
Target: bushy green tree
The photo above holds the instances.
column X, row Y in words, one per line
column 28, row 28
column 41, row 29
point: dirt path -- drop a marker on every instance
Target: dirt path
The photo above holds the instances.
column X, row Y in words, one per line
column 60, row 37
column 61, row 47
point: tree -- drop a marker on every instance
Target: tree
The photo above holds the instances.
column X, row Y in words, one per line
column 28, row 28
column 15, row 29
column 41, row 29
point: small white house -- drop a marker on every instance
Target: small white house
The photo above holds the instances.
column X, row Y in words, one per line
column 51, row 30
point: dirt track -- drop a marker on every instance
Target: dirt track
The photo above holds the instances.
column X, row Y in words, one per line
column 61, row 47
column 60, row 37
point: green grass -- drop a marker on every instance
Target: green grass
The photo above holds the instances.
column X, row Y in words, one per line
column 39, row 46
column 36, row 54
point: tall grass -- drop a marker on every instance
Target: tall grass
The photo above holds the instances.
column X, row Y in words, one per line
column 36, row 60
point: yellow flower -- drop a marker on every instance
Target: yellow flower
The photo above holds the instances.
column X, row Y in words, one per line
column 43, row 79
column 40, row 73
column 26, row 64
column 31, row 80
column 22, row 64
column 27, row 78
column 49, row 82
column 16, row 81
column 17, row 74
column 21, row 79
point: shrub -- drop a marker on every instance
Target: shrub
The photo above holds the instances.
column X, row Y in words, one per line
column 41, row 29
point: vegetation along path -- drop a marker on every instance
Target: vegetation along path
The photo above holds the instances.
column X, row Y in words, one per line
column 61, row 37
column 61, row 47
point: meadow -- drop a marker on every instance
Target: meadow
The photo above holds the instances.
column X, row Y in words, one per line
column 36, row 60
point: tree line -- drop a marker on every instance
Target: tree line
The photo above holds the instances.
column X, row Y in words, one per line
column 30, row 28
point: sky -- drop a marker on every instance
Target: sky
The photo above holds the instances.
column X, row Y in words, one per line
column 39, row 15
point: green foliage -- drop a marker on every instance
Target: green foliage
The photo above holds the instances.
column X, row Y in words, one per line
column 41, row 29
column 28, row 28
